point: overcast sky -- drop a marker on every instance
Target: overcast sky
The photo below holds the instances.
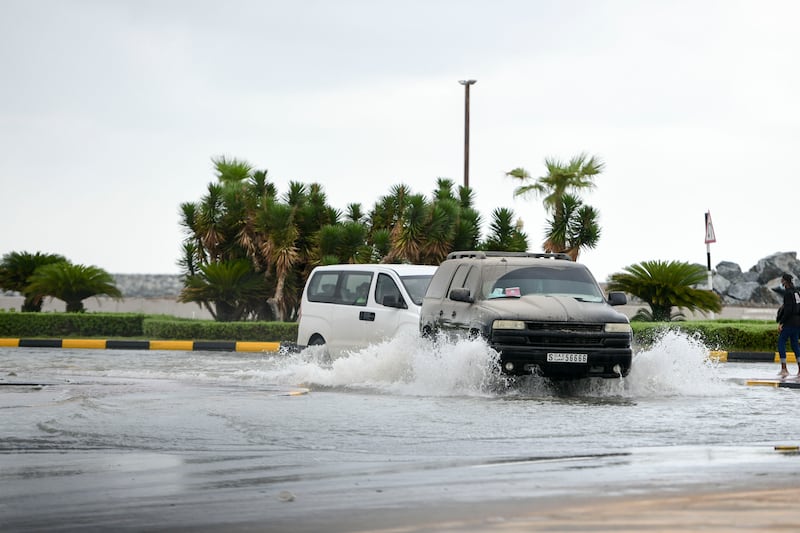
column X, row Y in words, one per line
column 111, row 111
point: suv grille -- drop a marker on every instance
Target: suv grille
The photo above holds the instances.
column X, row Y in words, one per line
column 563, row 327
column 558, row 334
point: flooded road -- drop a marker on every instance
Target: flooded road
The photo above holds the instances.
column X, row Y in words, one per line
column 389, row 437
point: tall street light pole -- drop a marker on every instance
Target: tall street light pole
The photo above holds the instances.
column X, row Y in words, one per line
column 466, row 84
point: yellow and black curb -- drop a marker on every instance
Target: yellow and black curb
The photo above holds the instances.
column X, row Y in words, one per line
column 253, row 346
column 749, row 357
column 776, row 383
column 101, row 344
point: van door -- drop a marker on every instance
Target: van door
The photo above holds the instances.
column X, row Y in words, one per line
column 351, row 315
column 390, row 305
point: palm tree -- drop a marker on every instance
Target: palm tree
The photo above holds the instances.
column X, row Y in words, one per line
column 575, row 176
column 572, row 227
column 242, row 217
column 229, row 290
column 232, row 171
column 664, row 285
column 16, row 268
column 409, row 230
column 354, row 213
column 505, row 234
column 73, row 284
column 560, row 187
column 279, row 247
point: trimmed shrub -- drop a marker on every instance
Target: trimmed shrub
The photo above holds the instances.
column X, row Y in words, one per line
column 71, row 325
column 156, row 328
column 730, row 335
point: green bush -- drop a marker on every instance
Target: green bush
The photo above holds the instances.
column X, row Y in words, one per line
column 209, row 330
column 71, row 325
column 729, row 335
column 124, row 325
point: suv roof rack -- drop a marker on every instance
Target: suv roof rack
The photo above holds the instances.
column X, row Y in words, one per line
column 478, row 254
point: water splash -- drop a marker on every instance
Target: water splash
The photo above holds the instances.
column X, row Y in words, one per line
column 405, row 364
column 675, row 365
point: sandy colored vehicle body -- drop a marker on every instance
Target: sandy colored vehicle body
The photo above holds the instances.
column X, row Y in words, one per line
column 542, row 312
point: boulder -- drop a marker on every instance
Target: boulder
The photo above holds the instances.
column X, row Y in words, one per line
column 721, row 283
column 742, row 291
column 729, row 271
column 775, row 265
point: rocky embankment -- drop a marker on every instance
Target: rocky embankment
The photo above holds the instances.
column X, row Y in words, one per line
column 755, row 288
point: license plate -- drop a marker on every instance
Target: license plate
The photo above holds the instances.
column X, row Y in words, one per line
column 567, row 358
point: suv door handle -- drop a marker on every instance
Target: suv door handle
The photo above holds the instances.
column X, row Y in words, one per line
column 366, row 315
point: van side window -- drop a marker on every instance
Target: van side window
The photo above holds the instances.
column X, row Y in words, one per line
column 338, row 287
column 355, row 288
column 322, row 286
column 386, row 291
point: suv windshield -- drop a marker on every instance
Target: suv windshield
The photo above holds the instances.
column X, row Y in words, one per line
column 416, row 286
column 512, row 282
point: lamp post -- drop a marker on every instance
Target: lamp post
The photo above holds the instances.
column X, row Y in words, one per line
column 466, row 84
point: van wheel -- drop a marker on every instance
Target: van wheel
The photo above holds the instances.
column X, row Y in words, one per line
column 316, row 340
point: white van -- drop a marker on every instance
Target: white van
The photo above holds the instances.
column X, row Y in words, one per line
column 347, row 307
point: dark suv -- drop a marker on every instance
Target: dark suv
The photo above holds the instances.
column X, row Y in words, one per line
column 543, row 313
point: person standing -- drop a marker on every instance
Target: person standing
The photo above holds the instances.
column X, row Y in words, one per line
column 789, row 323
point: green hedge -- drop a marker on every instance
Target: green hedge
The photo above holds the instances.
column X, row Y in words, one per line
column 125, row 325
column 71, row 325
column 729, row 335
column 155, row 328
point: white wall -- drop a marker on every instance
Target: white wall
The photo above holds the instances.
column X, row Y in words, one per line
column 150, row 306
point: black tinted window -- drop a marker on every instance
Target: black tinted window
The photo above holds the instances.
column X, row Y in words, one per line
column 340, row 287
column 386, row 287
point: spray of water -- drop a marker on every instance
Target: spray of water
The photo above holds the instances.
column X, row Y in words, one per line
column 675, row 364
column 405, row 364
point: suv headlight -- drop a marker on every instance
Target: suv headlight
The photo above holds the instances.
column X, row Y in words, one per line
column 618, row 327
column 508, row 324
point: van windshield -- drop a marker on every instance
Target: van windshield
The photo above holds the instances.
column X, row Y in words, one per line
column 416, row 286
column 507, row 282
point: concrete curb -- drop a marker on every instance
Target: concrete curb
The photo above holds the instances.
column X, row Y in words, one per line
column 247, row 346
column 749, row 357
column 100, row 344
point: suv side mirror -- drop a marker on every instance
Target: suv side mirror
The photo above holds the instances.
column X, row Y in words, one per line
column 617, row 298
column 461, row 295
